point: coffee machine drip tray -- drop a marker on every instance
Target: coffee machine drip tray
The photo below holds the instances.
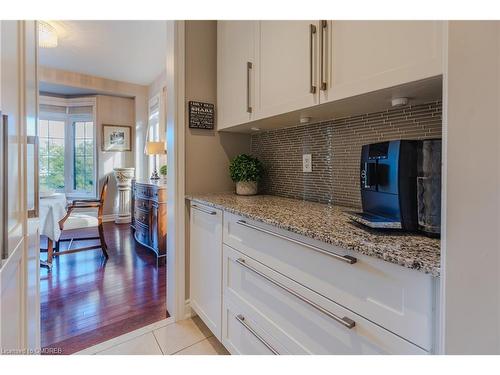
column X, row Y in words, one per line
column 374, row 221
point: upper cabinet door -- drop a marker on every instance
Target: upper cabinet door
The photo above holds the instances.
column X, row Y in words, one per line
column 363, row 56
column 287, row 67
column 235, row 72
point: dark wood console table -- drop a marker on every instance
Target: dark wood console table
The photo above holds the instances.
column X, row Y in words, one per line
column 149, row 214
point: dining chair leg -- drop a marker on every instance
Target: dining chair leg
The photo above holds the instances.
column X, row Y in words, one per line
column 56, row 247
column 50, row 252
column 104, row 247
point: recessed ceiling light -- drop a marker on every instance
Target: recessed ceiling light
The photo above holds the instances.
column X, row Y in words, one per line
column 47, row 35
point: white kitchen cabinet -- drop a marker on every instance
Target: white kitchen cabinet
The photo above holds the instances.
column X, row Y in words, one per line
column 235, row 72
column 264, row 290
column 286, row 70
column 398, row 299
column 291, row 318
column 364, row 56
column 205, row 265
column 296, row 65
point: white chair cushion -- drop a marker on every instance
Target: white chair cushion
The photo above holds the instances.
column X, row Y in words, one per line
column 79, row 221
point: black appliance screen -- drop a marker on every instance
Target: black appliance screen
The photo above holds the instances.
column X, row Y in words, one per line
column 378, row 150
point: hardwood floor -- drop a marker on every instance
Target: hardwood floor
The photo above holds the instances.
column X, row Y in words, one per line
column 86, row 300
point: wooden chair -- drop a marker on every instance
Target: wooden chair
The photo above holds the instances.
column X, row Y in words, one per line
column 82, row 221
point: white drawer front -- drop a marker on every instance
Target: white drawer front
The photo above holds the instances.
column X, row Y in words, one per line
column 242, row 335
column 399, row 299
column 296, row 317
column 205, row 265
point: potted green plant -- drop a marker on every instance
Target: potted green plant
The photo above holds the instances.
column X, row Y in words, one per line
column 163, row 170
column 246, row 171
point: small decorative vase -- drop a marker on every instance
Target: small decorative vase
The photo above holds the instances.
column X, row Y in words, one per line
column 246, row 187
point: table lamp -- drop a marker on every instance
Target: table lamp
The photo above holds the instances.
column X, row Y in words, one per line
column 153, row 149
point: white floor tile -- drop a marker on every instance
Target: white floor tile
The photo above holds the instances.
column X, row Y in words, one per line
column 210, row 346
column 180, row 335
column 125, row 337
column 145, row 344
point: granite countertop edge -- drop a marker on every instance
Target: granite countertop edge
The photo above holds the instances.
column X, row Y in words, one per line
column 382, row 252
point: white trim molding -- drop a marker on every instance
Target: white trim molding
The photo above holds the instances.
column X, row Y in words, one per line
column 189, row 312
column 108, row 218
column 176, row 169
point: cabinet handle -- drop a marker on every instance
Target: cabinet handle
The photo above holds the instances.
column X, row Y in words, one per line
column 312, row 31
column 344, row 258
column 240, row 318
column 324, row 27
column 203, row 210
column 346, row 322
column 249, row 67
column 4, row 133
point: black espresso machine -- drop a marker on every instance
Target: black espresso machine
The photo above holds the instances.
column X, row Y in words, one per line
column 400, row 185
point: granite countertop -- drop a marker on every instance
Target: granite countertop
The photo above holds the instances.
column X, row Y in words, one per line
column 332, row 225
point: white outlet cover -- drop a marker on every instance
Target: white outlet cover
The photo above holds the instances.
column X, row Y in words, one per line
column 306, row 163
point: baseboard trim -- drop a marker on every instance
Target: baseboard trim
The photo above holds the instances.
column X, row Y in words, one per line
column 189, row 313
column 108, row 218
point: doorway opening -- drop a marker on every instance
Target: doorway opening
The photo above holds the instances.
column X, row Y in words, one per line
column 102, row 135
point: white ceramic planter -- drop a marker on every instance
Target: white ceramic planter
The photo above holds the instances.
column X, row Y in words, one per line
column 246, row 188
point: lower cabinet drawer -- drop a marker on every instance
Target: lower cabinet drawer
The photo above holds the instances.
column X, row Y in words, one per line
column 295, row 319
column 399, row 299
column 242, row 335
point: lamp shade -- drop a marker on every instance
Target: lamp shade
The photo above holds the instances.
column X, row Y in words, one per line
column 155, row 148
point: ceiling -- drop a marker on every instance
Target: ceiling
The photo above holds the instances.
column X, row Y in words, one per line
column 129, row 51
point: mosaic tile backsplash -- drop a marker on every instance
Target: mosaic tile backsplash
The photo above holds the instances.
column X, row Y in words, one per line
column 335, row 147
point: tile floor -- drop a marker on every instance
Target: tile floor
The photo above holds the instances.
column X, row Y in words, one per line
column 187, row 337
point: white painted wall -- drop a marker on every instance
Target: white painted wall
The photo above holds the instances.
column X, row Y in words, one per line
column 471, row 259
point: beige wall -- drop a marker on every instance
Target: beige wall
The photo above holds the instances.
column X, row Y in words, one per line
column 471, row 259
column 207, row 152
column 113, row 110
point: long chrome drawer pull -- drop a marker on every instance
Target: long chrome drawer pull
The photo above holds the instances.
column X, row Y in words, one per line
column 203, row 210
column 345, row 258
column 249, row 67
column 312, row 31
column 240, row 318
column 323, row 84
column 346, row 322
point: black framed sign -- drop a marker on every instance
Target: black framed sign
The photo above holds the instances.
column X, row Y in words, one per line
column 201, row 115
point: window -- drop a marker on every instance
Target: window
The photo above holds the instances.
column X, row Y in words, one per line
column 83, row 156
column 67, row 148
column 52, row 144
column 156, row 127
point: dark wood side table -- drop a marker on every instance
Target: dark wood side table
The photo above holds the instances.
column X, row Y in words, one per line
column 149, row 215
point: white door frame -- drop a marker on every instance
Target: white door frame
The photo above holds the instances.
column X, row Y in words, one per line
column 176, row 293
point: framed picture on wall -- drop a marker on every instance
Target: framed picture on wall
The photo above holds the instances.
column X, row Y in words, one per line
column 116, row 137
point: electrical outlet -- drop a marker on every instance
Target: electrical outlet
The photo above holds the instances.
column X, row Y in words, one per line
column 307, row 163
